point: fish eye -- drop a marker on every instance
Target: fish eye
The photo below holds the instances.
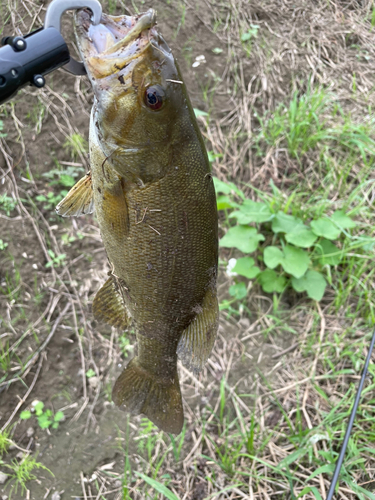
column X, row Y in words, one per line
column 154, row 97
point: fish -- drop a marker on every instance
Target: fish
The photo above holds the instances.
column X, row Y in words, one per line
column 152, row 189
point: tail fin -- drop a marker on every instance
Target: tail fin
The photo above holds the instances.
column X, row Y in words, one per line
column 138, row 391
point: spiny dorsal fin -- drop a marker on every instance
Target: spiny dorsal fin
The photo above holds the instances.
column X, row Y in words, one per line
column 109, row 304
column 79, row 200
column 197, row 340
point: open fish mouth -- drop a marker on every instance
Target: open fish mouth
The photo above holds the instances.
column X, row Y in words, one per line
column 112, row 44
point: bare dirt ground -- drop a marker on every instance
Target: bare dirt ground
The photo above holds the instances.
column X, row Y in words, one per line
column 269, row 362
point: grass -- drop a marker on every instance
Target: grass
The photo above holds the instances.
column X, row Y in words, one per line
column 21, row 472
column 290, row 135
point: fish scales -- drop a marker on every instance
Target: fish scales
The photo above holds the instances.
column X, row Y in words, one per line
column 155, row 203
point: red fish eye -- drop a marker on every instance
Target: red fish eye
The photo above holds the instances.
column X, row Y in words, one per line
column 154, row 97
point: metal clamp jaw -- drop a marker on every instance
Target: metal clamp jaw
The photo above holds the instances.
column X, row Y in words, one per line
column 53, row 19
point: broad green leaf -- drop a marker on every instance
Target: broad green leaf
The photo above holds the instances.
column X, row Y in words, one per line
column 225, row 202
column 238, row 291
column 59, row 416
column 271, row 281
column 301, row 237
column 158, row 486
column 296, row 261
column 313, row 283
column 90, row 373
column 44, row 422
column 273, row 256
column 199, row 112
column 329, row 252
column 284, row 223
column 67, row 180
column 244, row 238
column 55, row 425
column 252, row 211
column 25, row 415
column 39, row 408
column 325, row 228
column 343, row 221
column 227, row 187
column 245, row 267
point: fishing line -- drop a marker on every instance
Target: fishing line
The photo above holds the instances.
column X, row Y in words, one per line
column 351, row 422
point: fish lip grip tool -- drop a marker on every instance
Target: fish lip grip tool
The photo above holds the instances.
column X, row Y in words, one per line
column 25, row 60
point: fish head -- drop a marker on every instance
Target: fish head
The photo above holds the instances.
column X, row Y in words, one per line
column 137, row 85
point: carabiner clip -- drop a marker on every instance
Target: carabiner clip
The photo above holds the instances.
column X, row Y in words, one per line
column 53, row 19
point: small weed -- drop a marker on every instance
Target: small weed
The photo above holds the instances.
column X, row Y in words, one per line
column 45, row 419
column 51, row 200
column 159, row 487
column 125, row 345
column 248, row 37
column 90, row 373
column 148, row 436
column 22, row 472
column 177, row 443
column 67, row 239
column 3, row 245
column 36, row 115
column 5, row 357
column 65, row 178
column 7, row 204
column 56, row 260
column 4, row 442
column 76, row 145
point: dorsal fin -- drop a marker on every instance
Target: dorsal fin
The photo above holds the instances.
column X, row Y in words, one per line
column 79, row 200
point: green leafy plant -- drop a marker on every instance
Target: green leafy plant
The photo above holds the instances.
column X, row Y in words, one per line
column 67, row 239
column 75, row 145
column 248, row 37
column 56, row 260
column 63, row 177
column 45, row 419
column 51, row 199
column 294, row 252
column 22, row 471
column 7, row 203
column 125, row 345
column 90, row 373
column 3, row 245
column 4, row 442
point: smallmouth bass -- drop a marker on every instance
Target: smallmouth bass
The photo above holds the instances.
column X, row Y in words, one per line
column 154, row 198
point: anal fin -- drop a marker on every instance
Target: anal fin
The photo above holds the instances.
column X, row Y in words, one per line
column 197, row 340
column 79, row 200
column 109, row 304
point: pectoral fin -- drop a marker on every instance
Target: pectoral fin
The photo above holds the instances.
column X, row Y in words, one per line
column 79, row 200
column 198, row 338
column 109, row 304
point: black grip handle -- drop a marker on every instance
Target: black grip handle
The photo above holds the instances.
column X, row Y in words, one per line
column 25, row 60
